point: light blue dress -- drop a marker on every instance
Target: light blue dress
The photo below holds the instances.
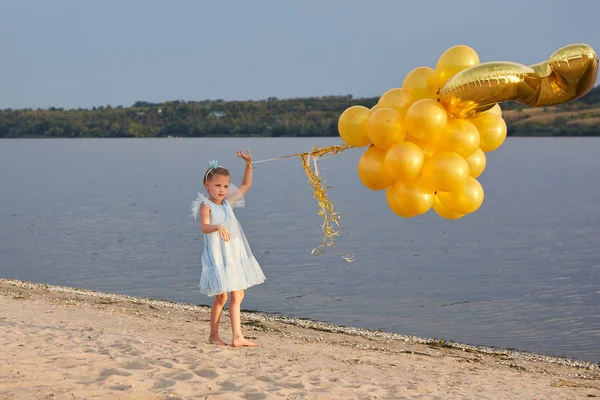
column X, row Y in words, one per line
column 226, row 266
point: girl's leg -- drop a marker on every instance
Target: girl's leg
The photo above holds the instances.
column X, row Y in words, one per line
column 236, row 324
column 215, row 317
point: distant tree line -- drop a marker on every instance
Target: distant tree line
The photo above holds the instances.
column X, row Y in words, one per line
column 270, row 118
column 308, row 117
column 587, row 107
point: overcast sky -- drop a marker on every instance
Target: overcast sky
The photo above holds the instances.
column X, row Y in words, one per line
column 80, row 53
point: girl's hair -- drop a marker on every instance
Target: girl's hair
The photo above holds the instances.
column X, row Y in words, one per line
column 215, row 171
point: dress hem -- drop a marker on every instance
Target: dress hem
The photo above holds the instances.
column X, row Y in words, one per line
column 211, row 294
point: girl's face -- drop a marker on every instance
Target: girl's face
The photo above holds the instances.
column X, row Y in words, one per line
column 218, row 187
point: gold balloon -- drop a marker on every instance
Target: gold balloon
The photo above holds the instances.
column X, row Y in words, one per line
column 477, row 162
column 464, row 137
column 492, row 131
column 445, row 171
column 465, row 199
column 352, row 126
column 413, row 197
column 426, row 120
column 495, row 110
column 385, row 128
column 420, row 83
column 443, row 211
column 428, row 148
column 372, row 171
column 568, row 74
column 454, row 60
column 404, row 160
column 399, row 99
column 390, row 197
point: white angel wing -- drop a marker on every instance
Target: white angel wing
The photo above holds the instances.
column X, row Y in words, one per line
column 235, row 197
column 196, row 205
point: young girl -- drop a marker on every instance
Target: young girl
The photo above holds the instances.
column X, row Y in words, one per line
column 227, row 261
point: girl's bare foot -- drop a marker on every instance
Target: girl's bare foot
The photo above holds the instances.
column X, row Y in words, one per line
column 242, row 342
column 216, row 340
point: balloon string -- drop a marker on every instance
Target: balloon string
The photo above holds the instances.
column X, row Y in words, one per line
column 316, row 151
column 330, row 225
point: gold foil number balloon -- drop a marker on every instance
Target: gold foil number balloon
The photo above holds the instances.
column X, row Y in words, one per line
column 568, row 74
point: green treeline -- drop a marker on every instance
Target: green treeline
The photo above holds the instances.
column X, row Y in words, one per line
column 306, row 117
column 269, row 118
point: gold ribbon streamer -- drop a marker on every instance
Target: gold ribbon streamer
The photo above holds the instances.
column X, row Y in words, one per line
column 330, row 217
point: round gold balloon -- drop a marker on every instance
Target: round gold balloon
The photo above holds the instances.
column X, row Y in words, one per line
column 404, row 160
column 413, row 197
column 398, row 99
column 445, row 171
column 465, row 199
column 492, row 131
column 420, row 83
column 568, row 74
column 495, row 110
column 464, row 137
column 454, row 60
column 428, row 148
column 352, row 126
column 386, row 127
column 390, row 197
column 443, row 211
column 426, row 120
column 372, row 171
column 477, row 162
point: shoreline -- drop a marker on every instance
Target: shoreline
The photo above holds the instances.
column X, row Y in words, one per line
column 258, row 316
column 65, row 343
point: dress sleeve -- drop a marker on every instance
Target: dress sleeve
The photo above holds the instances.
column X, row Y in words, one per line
column 197, row 203
column 235, row 198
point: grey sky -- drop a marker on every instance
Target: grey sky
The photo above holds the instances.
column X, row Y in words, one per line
column 78, row 53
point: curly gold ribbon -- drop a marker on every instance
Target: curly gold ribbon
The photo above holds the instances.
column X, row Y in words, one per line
column 568, row 74
column 330, row 217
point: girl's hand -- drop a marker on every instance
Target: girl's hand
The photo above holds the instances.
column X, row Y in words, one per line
column 224, row 232
column 247, row 157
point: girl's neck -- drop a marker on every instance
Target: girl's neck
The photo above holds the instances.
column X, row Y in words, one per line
column 214, row 200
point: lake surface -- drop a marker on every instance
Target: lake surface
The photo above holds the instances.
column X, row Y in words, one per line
column 522, row 272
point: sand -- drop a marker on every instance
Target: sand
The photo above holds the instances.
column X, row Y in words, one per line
column 64, row 343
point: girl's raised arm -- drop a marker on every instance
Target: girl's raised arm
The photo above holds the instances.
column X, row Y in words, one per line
column 247, row 181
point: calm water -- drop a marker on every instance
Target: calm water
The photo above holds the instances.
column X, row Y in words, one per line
column 522, row 272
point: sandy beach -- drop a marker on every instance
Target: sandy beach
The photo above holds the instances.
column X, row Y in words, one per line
column 64, row 343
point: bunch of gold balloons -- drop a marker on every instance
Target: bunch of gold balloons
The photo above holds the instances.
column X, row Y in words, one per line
column 427, row 140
